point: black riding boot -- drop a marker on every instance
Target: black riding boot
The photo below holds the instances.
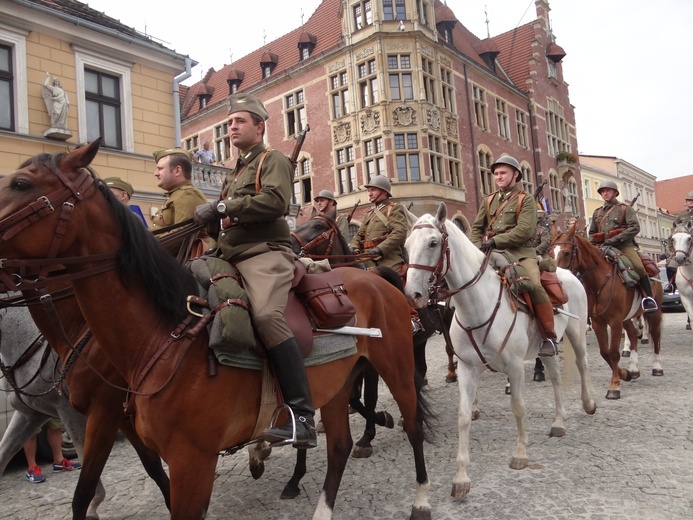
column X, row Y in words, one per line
column 648, row 303
column 290, row 372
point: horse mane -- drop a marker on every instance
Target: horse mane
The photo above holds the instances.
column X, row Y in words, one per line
column 592, row 254
column 141, row 257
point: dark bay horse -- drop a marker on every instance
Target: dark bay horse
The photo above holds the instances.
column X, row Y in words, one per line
column 611, row 304
column 132, row 293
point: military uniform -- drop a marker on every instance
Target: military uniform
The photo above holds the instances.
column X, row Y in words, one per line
column 542, row 242
column 684, row 217
column 384, row 227
column 512, row 230
column 618, row 219
column 180, row 205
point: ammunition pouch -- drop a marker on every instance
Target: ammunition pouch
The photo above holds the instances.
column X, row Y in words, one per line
column 598, row 238
column 625, row 266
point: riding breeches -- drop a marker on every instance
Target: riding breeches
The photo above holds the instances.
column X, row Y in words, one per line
column 538, row 294
column 632, row 254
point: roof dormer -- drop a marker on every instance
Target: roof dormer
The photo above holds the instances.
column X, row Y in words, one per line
column 488, row 50
column 306, row 44
column 234, row 80
column 268, row 62
column 204, row 94
column 555, row 52
column 445, row 22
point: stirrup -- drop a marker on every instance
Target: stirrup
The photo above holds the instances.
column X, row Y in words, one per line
column 416, row 325
column 544, row 351
column 648, row 304
column 273, row 424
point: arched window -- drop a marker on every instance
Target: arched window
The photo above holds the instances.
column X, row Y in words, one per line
column 485, row 162
column 556, row 206
column 571, row 199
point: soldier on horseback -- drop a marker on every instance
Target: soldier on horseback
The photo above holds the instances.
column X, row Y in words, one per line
column 326, row 204
column 255, row 238
column 507, row 221
column 616, row 225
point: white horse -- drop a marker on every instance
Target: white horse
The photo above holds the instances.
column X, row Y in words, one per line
column 488, row 331
column 37, row 402
column 683, row 245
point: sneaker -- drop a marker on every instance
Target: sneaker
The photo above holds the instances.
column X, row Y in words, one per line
column 34, row 475
column 67, row 465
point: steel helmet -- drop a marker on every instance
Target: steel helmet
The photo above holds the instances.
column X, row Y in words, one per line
column 325, row 194
column 689, row 196
column 506, row 159
column 608, row 184
column 382, row 182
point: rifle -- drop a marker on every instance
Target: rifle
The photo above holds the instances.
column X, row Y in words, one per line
column 540, row 190
column 632, row 202
column 353, row 210
column 293, row 158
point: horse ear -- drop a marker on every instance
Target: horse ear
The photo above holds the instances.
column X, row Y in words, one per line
column 82, row 156
column 331, row 214
column 442, row 214
column 313, row 212
column 553, row 231
column 410, row 217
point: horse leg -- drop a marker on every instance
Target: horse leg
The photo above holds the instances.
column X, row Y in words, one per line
column 558, row 425
column 654, row 327
column 609, row 351
column 363, row 448
column 191, row 484
column 469, row 379
column 575, row 331
column 451, row 377
column 150, row 460
column 257, row 453
column 23, row 425
column 516, row 376
column 291, row 490
column 632, row 337
column 538, row 371
column 420, row 355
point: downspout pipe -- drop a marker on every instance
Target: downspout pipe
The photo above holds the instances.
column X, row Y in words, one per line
column 475, row 165
column 176, row 99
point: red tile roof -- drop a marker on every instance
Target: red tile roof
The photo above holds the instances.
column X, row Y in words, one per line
column 670, row 193
column 515, row 53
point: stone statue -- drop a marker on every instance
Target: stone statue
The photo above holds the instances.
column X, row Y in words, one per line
column 57, row 105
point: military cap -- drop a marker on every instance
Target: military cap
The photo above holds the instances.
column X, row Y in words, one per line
column 158, row 155
column 117, row 182
column 325, row 194
column 247, row 103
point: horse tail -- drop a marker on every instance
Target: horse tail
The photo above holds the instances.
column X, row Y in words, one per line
column 424, row 412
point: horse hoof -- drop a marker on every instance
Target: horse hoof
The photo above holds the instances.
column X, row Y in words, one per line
column 657, row 372
column 351, row 410
column 460, row 490
column 320, row 427
column 475, row 415
column 384, row 419
column 256, row 470
column 624, row 374
column 360, row 452
column 290, row 492
column 688, row 326
column 556, row 432
column 539, row 377
column 613, row 394
column 507, row 390
column 400, row 423
column 644, row 341
column 420, row 513
column 625, row 353
column 424, row 382
column 451, row 379
column 634, row 375
column 591, row 408
column 265, row 452
column 519, row 463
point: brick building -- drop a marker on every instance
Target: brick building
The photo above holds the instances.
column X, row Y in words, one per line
column 401, row 87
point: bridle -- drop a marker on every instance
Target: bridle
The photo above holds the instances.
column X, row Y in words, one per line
column 326, row 236
column 687, row 252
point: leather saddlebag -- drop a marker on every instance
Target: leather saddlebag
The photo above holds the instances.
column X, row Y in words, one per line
column 554, row 288
column 325, row 297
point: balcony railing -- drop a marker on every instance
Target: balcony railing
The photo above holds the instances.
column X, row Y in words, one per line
column 209, row 178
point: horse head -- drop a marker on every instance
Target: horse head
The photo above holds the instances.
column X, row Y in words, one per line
column 319, row 238
column 682, row 242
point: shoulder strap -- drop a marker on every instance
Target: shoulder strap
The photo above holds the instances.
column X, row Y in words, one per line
column 520, row 198
column 257, row 174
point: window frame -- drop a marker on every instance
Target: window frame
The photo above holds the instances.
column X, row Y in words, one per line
column 339, row 94
column 103, row 101
column 503, row 119
column 485, row 160
column 16, row 40
column 294, row 123
column 480, row 108
column 345, row 166
column 409, row 156
column 521, row 125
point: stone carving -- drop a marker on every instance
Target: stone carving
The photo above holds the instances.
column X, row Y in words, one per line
column 451, row 126
column 425, row 49
column 337, row 65
column 446, row 62
column 404, row 116
column 370, row 122
column 365, row 52
column 433, row 117
column 342, row 133
column 57, row 105
column 398, row 47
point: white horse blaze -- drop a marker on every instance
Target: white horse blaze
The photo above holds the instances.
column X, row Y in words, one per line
column 474, row 306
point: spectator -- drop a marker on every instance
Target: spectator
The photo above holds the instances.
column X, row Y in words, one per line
column 55, row 441
column 123, row 191
column 205, row 155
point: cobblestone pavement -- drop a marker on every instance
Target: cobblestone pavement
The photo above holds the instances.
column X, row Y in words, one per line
column 631, row 460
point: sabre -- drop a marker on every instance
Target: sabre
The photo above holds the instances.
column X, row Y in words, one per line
column 569, row 314
column 356, row 331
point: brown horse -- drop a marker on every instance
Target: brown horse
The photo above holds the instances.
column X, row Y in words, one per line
column 135, row 307
column 610, row 302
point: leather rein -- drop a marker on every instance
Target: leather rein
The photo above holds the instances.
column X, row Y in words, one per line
column 438, row 290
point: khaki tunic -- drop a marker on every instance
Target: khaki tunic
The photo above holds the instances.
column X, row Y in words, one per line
column 180, row 205
column 684, row 217
column 619, row 216
column 542, row 242
column 373, row 229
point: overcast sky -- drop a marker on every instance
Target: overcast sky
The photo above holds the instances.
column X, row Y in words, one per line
column 628, row 62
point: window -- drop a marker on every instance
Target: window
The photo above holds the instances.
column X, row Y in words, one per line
column 346, row 171
column 571, row 200
column 222, row 143
column 485, row 162
column 339, row 94
column 14, row 105
column 480, row 108
column 294, row 104
column 302, row 191
column 527, row 179
column 368, row 83
column 408, row 167
column 552, row 69
column 503, row 119
column 586, row 189
column 103, row 97
column 305, row 52
column 428, row 80
column 448, row 97
column 401, row 87
column 362, row 14
column 422, row 11
column 436, row 160
column 521, row 120
column 558, row 132
column 266, row 71
column 454, row 165
column 394, row 10
column 555, row 193
column 6, row 89
column 373, row 152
